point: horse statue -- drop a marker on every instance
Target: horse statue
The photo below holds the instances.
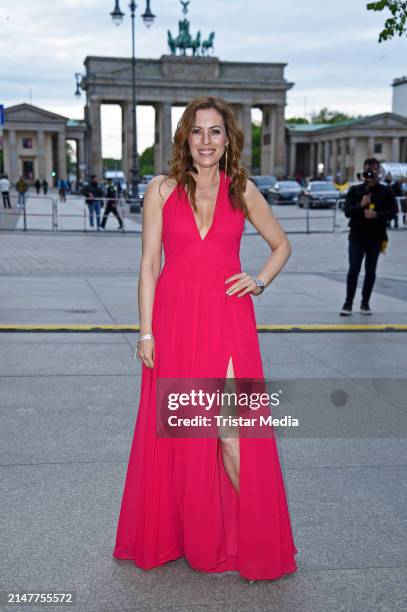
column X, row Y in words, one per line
column 172, row 43
column 196, row 43
column 208, row 44
column 184, row 39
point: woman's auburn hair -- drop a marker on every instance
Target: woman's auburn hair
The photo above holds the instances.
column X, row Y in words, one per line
column 182, row 164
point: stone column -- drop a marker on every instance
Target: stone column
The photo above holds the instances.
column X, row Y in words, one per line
column 273, row 147
column 163, row 137
column 335, row 159
column 319, row 157
column 13, row 163
column 352, row 158
column 95, row 142
column 81, row 158
column 279, row 141
column 293, row 158
column 370, row 146
column 238, row 113
column 61, row 155
column 312, row 169
column 127, row 140
column 395, row 149
column 267, row 145
column 246, row 123
column 343, row 167
column 326, row 158
column 41, row 154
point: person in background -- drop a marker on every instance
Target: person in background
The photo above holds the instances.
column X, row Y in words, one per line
column 368, row 206
column 94, row 197
column 37, row 186
column 5, row 190
column 21, row 188
column 111, row 205
column 45, row 186
column 62, row 189
column 398, row 193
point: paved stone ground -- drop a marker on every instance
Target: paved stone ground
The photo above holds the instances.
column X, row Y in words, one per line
column 69, row 404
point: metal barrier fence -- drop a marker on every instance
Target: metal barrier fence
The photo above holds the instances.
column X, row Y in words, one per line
column 48, row 213
column 17, row 217
column 308, row 216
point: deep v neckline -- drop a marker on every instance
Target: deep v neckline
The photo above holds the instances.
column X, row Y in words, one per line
column 214, row 212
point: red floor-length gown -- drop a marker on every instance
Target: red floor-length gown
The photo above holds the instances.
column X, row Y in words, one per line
column 177, row 499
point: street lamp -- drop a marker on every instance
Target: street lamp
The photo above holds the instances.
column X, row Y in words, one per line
column 78, row 78
column 148, row 19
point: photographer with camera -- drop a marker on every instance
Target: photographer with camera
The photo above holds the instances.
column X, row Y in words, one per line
column 368, row 206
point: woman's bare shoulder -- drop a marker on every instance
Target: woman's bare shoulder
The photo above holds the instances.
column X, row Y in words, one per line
column 162, row 185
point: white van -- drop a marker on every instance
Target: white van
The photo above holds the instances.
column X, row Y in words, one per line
column 117, row 177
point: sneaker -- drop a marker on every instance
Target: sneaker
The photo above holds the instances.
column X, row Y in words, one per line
column 365, row 308
column 346, row 310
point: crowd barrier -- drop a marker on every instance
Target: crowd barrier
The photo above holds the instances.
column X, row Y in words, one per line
column 49, row 213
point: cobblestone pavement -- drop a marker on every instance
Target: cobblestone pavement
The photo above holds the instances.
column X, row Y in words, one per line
column 30, row 253
column 68, row 404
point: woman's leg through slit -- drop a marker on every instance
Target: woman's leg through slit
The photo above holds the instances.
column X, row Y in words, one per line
column 229, row 435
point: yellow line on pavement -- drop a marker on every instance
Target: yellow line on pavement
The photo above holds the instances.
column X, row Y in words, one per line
column 303, row 327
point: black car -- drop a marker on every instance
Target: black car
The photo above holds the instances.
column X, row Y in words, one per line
column 263, row 183
column 142, row 188
column 319, row 194
column 285, row 192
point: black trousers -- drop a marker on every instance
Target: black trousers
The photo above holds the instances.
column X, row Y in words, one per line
column 111, row 208
column 6, row 199
column 359, row 249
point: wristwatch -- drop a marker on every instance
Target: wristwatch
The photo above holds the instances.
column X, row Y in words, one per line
column 260, row 284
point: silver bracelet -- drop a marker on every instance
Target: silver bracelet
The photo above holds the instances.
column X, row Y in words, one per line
column 146, row 337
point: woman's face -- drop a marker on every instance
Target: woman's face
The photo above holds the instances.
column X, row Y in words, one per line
column 208, row 138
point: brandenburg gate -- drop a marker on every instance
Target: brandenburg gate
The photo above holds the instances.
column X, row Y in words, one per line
column 175, row 80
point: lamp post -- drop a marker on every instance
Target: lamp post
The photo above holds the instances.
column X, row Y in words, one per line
column 78, row 78
column 148, row 19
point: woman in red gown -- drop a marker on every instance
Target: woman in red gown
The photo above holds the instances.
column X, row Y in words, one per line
column 220, row 502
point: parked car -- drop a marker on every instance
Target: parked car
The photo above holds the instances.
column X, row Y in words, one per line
column 146, row 178
column 319, row 194
column 142, row 188
column 284, row 192
column 263, row 183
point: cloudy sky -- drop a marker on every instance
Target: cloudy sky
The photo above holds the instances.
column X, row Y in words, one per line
column 330, row 48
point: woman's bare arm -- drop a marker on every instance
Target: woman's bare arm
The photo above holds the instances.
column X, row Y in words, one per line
column 150, row 264
column 269, row 228
column 261, row 216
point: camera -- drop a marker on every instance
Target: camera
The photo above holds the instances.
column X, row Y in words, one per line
column 369, row 174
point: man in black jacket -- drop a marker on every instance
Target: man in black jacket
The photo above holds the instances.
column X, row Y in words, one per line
column 368, row 206
column 111, row 205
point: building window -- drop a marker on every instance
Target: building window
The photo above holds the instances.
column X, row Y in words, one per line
column 378, row 147
column 28, row 170
column 27, row 143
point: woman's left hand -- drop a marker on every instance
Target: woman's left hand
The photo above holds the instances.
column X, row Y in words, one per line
column 245, row 282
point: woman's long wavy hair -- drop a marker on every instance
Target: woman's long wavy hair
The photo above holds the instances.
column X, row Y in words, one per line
column 182, row 164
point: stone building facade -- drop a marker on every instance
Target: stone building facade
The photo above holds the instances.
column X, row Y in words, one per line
column 34, row 143
column 174, row 81
column 339, row 149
